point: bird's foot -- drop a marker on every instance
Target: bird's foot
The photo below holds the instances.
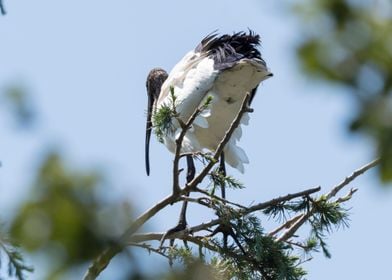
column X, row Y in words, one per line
column 179, row 227
column 227, row 230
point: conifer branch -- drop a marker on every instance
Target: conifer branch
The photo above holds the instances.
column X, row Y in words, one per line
column 247, row 226
column 305, row 217
column 16, row 265
column 263, row 205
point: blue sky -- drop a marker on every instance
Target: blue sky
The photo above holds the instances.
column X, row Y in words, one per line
column 86, row 62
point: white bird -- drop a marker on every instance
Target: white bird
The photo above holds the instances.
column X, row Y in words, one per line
column 225, row 67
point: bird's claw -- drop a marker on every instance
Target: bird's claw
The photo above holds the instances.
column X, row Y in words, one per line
column 179, row 227
column 227, row 230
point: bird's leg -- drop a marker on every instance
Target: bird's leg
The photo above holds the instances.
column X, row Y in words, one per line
column 222, row 170
column 225, row 228
column 182, row 223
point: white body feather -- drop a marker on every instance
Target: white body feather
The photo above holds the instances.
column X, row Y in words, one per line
column 193, row 79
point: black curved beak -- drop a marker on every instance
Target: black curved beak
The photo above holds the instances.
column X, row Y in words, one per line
column 155, row 79
column 151, row 100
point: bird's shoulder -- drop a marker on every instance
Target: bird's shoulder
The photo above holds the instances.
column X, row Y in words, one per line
column 194, row 74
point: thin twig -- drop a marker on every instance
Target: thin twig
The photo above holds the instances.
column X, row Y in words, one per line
column 347, row 197
column 350, row 178
column 157, row 236
column 302, row 219
column 200, row 241
column 287, row 224
column 205, row 201
column 297, row 244
column 177, row 154
column 149, row 248
column 281, row 199
column 221, row 199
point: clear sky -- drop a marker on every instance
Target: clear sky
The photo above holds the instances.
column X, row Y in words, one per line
column 86, row 63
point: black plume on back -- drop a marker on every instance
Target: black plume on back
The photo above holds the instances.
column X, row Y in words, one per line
column 226, row 50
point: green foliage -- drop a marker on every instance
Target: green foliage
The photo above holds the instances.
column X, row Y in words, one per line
column 329, row 215
column 278, row 211
column 207, row 102
column 218, row 180
column 18, row 102
column 348, row 43
column 162, row 120
column 196, row 271
column 181, row 254
column 64, row 218
column 266, row 258
column 16, row 265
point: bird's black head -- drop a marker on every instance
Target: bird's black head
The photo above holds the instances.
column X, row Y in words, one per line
column 155, row 79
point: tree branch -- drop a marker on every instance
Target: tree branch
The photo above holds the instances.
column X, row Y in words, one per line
column 304, row 217
column 149, row 248
column 102, row 261
column 129, row 236
column 287, row 224
column 281, row 199
column 221, row 199
column 177, row 154
column 350, row 178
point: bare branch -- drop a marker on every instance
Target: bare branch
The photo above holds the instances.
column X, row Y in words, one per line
column 287, row 224
column 281, row 199
column 301, row 220
column 177, row 154
column 350, row 178
column 221, row 199
column 157, row 236
column 347, row 196
column 149, row 248
column 103, row 260
column 205, row 201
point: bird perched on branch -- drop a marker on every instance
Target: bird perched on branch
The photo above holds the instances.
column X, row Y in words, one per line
column 222, row 69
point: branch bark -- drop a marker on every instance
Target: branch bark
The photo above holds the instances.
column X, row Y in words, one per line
column 350, row 178
column 177, row 154
column 102, row 261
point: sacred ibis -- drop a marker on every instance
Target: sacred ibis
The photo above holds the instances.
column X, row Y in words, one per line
column 226, row 67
